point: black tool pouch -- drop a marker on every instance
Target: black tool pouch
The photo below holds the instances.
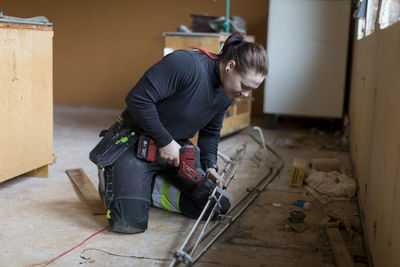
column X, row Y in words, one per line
column 106, row 177
column 115, row 142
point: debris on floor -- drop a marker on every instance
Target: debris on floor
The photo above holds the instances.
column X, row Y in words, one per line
column 342, row 256
column 285, row 142
column 333, row 184
column 302, row 203
column 325, row 164
column 315, row 139
column 324, row 176
column 322, row 200
column 328, row 179
column 262, row 235
column 297, row 172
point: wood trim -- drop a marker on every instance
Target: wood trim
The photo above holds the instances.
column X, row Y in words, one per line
column 25, row 26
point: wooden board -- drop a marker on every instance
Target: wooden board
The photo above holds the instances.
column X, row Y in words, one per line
column 87, row 189
column 25, row 26
column 321, row 200
column 342, row 256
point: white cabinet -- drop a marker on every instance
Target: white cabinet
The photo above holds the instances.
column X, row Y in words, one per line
column 307, row 46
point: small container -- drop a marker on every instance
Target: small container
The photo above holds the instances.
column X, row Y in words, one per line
column 297, row 216
column 299, row 203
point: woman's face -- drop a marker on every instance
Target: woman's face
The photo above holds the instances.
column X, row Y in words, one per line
column 237, row 84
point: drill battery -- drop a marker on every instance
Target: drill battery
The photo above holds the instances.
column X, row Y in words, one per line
column 146, row 149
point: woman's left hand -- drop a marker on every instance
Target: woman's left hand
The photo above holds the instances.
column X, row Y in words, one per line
column 215, row 176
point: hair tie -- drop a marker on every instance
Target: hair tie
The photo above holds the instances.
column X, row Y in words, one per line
column 240, row 42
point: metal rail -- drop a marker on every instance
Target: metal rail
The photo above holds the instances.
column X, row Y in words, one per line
column 231, row 168
column 180, row 255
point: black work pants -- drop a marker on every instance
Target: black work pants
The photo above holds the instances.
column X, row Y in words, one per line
column 132, row 189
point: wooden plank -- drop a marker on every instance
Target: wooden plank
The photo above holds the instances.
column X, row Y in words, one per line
column 321, row 200
column 87, row 189
column 25, row 26
column 342, row 256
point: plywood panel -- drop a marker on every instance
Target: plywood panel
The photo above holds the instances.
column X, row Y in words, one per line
column 364, row 79
column 87, row 189
column 375, row 142
column 26, row 111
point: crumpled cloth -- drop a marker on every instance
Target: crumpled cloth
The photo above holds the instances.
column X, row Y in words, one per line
column 333, row 184
column 35, row 20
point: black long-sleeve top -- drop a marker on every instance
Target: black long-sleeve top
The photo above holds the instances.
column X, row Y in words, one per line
column 179, row 96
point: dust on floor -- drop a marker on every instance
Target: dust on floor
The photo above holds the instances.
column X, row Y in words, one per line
column 45, row 217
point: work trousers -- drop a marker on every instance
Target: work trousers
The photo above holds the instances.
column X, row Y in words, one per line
column 133, row 181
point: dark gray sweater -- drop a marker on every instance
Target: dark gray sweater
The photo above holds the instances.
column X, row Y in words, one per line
column 178, row 96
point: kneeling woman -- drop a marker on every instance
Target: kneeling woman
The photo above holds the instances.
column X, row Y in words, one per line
column 184, row 93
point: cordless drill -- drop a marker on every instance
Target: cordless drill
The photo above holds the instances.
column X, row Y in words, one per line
column 189, row 158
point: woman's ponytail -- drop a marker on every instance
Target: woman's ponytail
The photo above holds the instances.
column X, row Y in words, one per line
column 246, row 55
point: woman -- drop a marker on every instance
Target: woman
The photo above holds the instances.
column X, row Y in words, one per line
column 184, row 93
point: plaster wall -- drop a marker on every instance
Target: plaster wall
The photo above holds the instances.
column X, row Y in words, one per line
column 101, row 48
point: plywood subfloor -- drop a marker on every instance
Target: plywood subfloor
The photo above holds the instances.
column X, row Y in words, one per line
column 44, row 217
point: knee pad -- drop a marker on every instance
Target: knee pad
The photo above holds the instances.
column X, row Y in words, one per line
column 225, row 205
column 129, row 215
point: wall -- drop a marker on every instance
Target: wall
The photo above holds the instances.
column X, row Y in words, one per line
column 101, row 48
column 375, row 139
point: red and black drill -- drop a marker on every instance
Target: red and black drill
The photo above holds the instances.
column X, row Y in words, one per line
column 189, row 159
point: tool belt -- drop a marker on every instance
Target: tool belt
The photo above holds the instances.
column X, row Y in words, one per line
column 116, row 140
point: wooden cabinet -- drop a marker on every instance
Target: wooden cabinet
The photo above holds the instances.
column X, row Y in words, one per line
column 26, row 101
column 238, row 115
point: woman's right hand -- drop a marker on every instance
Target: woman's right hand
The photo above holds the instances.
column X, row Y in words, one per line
column 170, row 153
